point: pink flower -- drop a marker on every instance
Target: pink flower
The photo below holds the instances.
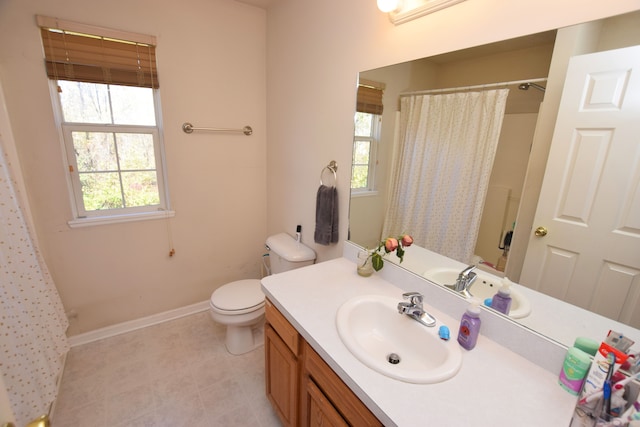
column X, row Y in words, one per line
column 407, row 240
column 391, row 244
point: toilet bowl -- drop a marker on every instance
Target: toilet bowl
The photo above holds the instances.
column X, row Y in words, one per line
column 239, row 305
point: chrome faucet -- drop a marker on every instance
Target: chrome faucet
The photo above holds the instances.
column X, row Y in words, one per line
column 414, row 309
column 464, row 281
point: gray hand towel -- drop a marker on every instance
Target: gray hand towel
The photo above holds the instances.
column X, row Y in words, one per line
column 326, row 231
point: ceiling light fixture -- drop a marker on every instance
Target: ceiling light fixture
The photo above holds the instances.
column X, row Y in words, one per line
column 388, row 6
column 401, row 11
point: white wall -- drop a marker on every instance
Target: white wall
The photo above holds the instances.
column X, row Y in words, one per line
column 211, row 62
column 317, row 48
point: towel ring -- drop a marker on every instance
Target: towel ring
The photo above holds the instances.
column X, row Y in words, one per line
column 333, row 168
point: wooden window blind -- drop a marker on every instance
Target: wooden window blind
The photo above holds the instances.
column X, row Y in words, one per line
column 96, row 56
column 369, row 97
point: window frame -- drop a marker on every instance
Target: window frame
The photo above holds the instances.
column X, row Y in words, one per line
column 374, row 141
column 82, row 217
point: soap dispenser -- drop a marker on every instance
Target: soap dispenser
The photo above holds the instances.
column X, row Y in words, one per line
column 502, row 300
column 470, row 325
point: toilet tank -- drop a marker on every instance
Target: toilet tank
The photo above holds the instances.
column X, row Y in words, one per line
column 286, row 254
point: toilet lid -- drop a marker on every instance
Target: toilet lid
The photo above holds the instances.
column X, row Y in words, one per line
column 238, row 295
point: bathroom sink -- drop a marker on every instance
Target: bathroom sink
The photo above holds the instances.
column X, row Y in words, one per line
column 393, row 344
column 485, row 286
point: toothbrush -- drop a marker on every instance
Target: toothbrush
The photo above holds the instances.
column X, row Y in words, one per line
column 597, row 394
column 606, row 388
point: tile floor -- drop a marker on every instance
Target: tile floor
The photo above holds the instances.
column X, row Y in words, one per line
column 177, row 373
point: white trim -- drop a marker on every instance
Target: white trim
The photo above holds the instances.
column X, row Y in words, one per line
column 102, row 220
column 77, row 27
column 133, row 325
column 84, row 218
column 424, row 7
column 363, row 193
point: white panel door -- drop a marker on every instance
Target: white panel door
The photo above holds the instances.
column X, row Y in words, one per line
column 589, row 204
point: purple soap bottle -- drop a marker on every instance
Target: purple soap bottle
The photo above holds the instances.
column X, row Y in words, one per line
column 470, row 326
column 502, row 300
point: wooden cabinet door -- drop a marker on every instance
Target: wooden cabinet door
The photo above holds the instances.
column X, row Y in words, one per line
column 281, row 377
column 315, row 370
column 301, row 387
column 320, row 411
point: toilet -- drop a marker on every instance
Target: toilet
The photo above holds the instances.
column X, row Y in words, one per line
column 240, row 305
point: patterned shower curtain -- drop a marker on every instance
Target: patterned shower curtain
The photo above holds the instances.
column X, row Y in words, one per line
column 442, row 165
column 32, row 319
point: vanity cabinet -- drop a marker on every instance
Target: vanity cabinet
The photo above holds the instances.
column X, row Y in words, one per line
column 282, row 373
column 302, row 388
column 324, row 396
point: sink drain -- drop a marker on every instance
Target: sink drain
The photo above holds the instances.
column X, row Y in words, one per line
column 393, row 358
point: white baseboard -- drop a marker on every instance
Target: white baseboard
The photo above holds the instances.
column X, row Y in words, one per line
column 132, row 325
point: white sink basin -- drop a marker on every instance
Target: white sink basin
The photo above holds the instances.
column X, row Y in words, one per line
column 485, row 286
column 372, row 329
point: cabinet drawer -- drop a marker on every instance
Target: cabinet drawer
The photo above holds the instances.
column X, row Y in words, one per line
column 283, row 328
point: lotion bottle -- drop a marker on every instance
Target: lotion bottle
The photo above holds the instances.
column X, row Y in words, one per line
column 502, row 300
column 574, row 370
column 470, row 326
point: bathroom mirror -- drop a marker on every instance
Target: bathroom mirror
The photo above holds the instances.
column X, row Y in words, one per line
column 524, row 58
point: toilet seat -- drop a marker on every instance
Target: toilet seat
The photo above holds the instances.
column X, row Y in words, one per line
column 239, row 297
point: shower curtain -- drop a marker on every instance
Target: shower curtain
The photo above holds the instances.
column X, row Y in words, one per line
column 32, row 319
column 442, row 165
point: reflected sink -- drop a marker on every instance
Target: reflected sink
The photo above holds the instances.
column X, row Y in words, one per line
column 485, row 286
column 375, row 333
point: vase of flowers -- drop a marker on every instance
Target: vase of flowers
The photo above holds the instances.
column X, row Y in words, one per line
column 371, row 260
column 365, row 267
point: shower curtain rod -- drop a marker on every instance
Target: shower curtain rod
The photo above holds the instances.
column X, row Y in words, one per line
column 463, row 88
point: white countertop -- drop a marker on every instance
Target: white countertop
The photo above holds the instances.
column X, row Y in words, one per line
column 494, row 387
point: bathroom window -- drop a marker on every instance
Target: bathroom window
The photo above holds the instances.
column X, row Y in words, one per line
column 105, row 94
column 365, row 142
column 368, row 122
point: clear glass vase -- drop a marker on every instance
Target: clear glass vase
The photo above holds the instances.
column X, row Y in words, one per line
column 365, row 266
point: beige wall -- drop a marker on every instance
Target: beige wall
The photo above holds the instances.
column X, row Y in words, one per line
column 219, row 185
column 113, row 273
column 509, row 167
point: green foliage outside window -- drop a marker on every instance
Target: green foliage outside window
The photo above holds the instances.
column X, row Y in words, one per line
column 362, row 150
column 116, row 169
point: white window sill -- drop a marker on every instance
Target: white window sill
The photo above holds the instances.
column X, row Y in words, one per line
column 102, row 220
column 363, row 193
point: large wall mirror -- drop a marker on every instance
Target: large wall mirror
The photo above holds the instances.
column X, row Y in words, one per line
column 533, row 68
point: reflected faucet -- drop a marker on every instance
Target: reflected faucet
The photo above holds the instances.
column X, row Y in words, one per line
column 464, row 281
column 414, row 309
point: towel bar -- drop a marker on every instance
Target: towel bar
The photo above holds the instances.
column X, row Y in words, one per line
column 189, row 128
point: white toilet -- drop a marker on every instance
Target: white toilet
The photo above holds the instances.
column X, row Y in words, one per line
column 240, row 305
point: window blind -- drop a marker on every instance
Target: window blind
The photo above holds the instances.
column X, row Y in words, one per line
column 369, row 97
column 97, row 58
